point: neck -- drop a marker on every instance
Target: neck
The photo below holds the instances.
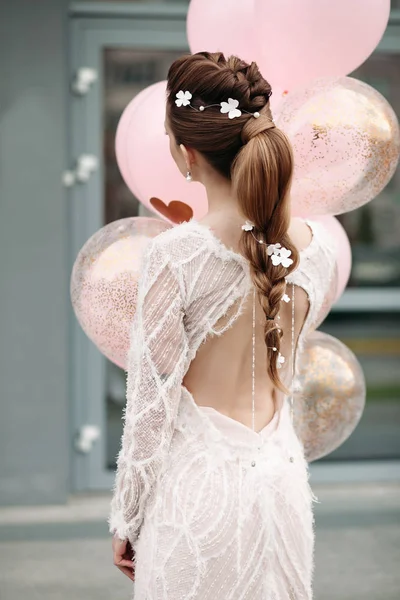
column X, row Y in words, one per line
column 221, row 199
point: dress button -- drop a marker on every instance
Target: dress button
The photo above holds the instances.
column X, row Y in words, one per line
column 253, row 463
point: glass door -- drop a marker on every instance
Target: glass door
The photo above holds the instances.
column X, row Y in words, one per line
column 127, row 54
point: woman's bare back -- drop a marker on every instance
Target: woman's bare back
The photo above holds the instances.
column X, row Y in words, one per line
column 220, row 376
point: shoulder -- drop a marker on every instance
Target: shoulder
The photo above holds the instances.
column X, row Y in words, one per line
column 308, row 234
column 191, row 250
column 300, row 233
column 182, row 243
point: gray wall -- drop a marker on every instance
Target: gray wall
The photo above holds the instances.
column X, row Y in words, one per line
column 34, row 440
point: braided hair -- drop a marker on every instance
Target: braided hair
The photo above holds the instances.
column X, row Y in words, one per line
column 253, row 154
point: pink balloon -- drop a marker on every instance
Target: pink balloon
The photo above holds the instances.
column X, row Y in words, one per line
column 147, row 166
column 104, row 282
column 330, row 396
column 122, row 130
column 344, row 257
column 277, row 101
column 226, row 26
column 346, row 144
column 303, row 39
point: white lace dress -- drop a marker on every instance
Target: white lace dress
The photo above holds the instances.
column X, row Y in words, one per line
column 213, row 510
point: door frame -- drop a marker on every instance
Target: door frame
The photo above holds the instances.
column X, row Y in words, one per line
column 145, row 28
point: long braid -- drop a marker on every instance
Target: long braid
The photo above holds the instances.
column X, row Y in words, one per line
column 254, row 154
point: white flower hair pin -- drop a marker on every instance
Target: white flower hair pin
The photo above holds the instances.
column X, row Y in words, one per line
column 278, row 253
column 273, row 249
column 279, row 361
column 282, row 258
column 231, row 107
column 247, row 226
column 183, row 98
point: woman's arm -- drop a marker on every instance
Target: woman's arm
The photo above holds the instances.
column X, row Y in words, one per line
column 157, row 362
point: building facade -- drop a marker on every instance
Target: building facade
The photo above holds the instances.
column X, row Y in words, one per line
column 55, row 385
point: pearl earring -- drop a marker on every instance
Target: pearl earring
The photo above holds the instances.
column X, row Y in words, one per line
column 188, row 176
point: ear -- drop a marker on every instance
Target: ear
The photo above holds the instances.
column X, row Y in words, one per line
column 189, row 155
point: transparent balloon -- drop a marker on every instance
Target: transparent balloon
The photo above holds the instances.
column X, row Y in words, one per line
column 346, row 144
column 330, row 395
column 104, row 282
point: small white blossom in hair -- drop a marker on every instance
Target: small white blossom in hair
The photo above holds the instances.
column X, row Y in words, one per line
column 248, row 226
column 273, row 249
column 231, row 107
column 283, row 258
column 285, row 298
column 183, row 98
column 280, row 360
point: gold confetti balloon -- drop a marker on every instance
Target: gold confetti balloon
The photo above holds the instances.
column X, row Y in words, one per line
column 104, row 282
column 330, row 396
column 346, row 144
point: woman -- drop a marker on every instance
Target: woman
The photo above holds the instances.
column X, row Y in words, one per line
column 212, row 498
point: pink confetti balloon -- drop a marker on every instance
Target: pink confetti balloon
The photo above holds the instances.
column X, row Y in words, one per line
column 104, row 282
column 331, row 395
column 142, row 150
column 346, row 144
column 276, row 101
column 226, row 27
column 300, row 40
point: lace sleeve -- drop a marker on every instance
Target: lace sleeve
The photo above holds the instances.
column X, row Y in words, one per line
column 157, row 362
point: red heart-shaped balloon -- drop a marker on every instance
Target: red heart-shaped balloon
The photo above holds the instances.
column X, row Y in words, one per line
column 176, row 211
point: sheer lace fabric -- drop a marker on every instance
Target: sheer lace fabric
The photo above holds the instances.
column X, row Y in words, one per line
column 213, row 510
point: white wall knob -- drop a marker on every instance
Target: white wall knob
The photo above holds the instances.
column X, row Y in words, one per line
column 85, row 166
column 68, row 178
column 84, row 79
column 86, row 437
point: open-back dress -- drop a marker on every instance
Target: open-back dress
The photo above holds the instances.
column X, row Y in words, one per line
column 213, row 509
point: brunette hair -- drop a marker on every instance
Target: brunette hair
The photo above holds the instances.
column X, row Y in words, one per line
column 252, row 153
